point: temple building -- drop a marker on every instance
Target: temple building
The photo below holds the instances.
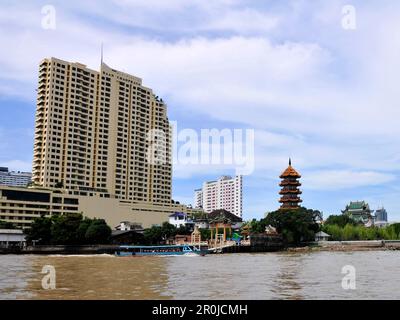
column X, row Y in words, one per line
column 290, row 191
column 358, row 211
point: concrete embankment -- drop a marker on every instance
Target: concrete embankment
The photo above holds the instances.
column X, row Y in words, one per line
column 371, row 244
column 350, row 245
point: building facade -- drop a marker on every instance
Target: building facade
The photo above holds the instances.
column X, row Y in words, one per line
column 101, row 132
column 14, row 178
column 21, row 205
column 198, row 198
column 381, row 215
column 358, row 211
column 225, row 193
column 102, row 148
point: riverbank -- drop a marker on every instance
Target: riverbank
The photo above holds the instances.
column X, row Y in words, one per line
column 60, row 249
column 368, row 245
column 362, row 245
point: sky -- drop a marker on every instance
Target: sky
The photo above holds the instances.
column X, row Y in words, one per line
column 317, row 81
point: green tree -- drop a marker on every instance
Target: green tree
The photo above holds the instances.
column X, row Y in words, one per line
column 185, row 230
column 153, row 235
column 340, row 220
column 295, row 225
column 258, row 226
column 82, row 229
column 6, row 225
column 168, row 230
column 396, row 229
column 40, row 230
column 350, row 232
column 205, row 234
column 64, row 229
column 98, row 232
column 334, row 231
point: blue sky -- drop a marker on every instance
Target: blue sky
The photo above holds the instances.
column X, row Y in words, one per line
column 325, row 95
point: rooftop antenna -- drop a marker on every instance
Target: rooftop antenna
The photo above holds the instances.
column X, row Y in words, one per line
column 290, row 162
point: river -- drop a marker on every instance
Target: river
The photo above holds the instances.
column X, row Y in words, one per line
column 314, row 275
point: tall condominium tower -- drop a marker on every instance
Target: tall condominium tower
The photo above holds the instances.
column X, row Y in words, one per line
column 96, row 132
column 225, row 193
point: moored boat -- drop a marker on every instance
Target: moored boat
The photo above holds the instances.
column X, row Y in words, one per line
column 165, row 250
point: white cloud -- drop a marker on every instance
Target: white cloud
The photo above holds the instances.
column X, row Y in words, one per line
column 326, row 97
column 344, row 179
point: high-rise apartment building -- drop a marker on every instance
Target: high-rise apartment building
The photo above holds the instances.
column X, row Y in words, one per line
column 95, row 133
column 225, row 193
column 198, row 198
column 381, row 215
column 14, row 178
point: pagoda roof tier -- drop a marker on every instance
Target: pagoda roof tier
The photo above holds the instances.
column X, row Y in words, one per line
column 290, row 200
column 290, row 172
column 288, row 191
column 289, row 183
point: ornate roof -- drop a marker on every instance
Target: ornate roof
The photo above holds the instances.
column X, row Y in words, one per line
column 221, row 215
column 290, row 172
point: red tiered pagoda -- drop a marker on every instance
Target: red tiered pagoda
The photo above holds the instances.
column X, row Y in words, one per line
column 290, row 188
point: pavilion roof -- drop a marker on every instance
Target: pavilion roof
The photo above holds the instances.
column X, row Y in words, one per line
column 222, row 214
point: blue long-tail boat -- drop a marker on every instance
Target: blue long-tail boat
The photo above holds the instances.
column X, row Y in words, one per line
column 165, row 250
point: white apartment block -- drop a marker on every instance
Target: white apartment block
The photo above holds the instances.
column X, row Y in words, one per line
column 198, row 198
column 225, row 193
column 92, row 134
column 14, row 178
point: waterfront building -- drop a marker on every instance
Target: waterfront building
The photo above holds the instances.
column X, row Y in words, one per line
column 102, row 139
column 12, row 238
column 21, row 205
column 225, row 193
column 322, row 236
column 290, row 191
column 178, row 219
column 359, row 211
column 14, row 178
column 225, row 221
column 127, row 225
column 201, row 223
column 93, row 134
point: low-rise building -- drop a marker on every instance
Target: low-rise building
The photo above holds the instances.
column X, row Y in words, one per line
column 21, row 205
column 322, row 236
column 178, row 219
column 14, row 178
column 12, row 238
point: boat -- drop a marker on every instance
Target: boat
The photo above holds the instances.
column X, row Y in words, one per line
column 164, row 250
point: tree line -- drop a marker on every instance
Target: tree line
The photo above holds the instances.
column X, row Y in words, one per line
column 70, row 229
column 342, row 228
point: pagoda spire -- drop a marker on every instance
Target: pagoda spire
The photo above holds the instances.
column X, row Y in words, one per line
column 290, row 192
